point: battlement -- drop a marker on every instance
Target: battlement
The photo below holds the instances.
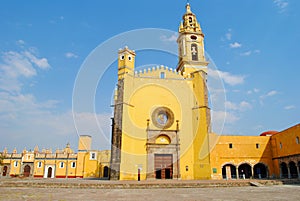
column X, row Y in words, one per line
column 155, row 72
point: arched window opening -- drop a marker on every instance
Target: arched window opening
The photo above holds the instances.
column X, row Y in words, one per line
column 284, row 170
column 293, row 170
column 106, row 172
column 229, row 171
column 260, row 171
column 245, row 171
column 194, row 52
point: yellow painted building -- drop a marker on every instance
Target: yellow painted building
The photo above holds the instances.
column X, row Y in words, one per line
column 63, row 163
column 161, row 130
column 161, row 115
column 161, row 125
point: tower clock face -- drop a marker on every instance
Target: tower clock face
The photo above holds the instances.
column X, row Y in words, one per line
column 163, row 117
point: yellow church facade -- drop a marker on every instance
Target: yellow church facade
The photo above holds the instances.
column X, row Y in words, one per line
column 161, row 116
column 161, row 129
column 161, row 126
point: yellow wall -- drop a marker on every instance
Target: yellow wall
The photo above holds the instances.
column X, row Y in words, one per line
column 146, row 91
column 288, row 140
column 243, row 151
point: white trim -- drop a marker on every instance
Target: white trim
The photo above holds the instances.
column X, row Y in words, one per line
column 46, row 171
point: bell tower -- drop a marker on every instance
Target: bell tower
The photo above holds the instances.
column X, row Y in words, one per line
column 125, row 62
column 190, row 44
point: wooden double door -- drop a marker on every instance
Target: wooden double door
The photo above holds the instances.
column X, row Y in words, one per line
column 163, row 164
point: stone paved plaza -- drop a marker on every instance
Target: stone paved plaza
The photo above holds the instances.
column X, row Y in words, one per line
column 64, row 189
column 286, row 192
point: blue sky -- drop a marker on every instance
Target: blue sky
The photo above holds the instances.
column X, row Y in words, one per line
column 43, row 46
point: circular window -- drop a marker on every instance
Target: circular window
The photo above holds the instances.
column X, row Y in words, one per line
column 129, row 58
column 122, row 57
column 163, row 117
column 193, row 37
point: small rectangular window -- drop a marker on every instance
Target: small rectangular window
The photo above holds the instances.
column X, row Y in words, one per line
column 162, row 75
column 280, row 145
column 16, row 163
column 73, row 164
column 92, row 156
column 230, row 145
column 257, row 146
column 297, row 140
column 39, row 164
column 61, row 165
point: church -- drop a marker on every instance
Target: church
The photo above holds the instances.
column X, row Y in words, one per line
column 162, row 124
column 161, row 129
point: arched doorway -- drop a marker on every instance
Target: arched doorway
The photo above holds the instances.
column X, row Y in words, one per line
column 4, row 173
column 245, row 171
column 229, row 171
column 284, row 170
column 27, row 171
column 49, row 174
column 293, row 169
column 260, row 171
column 105, row 172
column 299, row 168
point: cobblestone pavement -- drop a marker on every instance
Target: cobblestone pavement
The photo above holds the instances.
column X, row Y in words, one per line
column 282, row 192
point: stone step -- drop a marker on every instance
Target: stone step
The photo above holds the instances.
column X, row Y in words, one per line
column 256, row 184
column 97, row 184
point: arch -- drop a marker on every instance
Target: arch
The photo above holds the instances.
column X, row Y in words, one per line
column 105, row 172
column 194, row 51
column 260, row 171
column 293, row 169
column 49, row 173
column 4, row 173
column 27, row 170
column 245, row 171
column 298, row 165
column 163, row 139
column 229, row 171
column 284, row 170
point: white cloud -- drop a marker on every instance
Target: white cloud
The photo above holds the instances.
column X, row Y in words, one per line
column 289, row 107
column 28, row 122
column 20, row 42
column 228, row 35
column 71, row 55
column 41, row 63
column 172, row 38
column 253, row 91
column 235, row 45
column 219, row 116
column 257, row 51
column 15, row 65
column 271, row 93
column 227, row 77
column 242, row 106
column 248, row 53
column 281, row 5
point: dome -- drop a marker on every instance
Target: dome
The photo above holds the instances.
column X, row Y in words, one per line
column 268, row 133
